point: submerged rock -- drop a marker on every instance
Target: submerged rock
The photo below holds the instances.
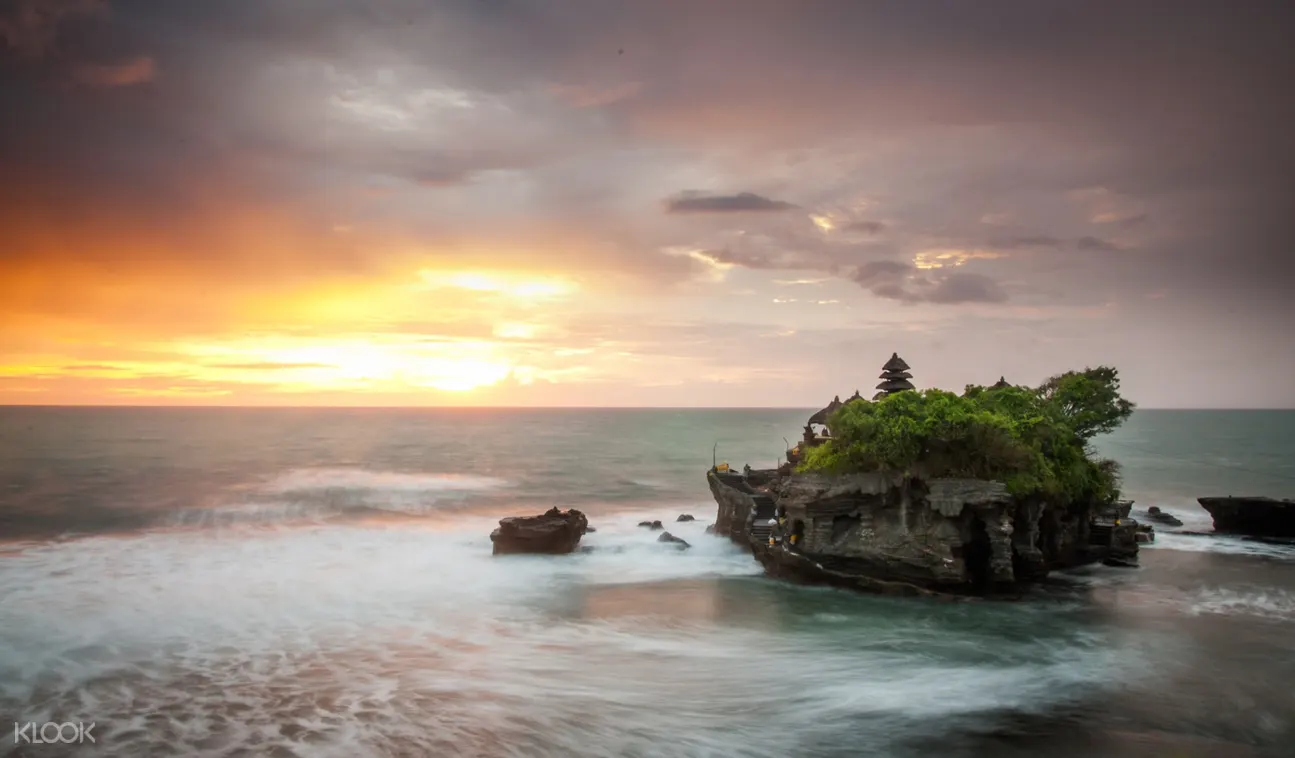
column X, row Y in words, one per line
column 554, row 532
column 653, row 525
column 686, row 517
column 1155, row 514
column 668, row 537
column 710, row 529
column 1257, row 516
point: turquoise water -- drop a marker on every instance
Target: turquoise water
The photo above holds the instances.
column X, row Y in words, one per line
column 319, row 582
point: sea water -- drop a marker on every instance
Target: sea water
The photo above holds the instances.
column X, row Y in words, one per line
column 304, row 582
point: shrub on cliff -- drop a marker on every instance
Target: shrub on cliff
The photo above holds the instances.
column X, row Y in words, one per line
column 1033, row 440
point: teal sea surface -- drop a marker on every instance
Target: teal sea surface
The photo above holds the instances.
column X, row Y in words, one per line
column 318, row 582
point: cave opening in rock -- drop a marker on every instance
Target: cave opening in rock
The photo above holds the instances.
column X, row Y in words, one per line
column 797, row 533
column 1048, row 538
column 977, row 553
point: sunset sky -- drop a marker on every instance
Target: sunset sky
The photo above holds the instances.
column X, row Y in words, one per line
column 571, row 202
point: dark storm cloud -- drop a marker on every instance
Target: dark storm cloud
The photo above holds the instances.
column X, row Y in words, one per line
column 742, row 202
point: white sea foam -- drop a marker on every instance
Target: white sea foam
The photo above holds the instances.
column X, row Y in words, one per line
column 318, row 495
column 1194, row 517
column 354, row 640
column 1218, row 543
column 1267, row 603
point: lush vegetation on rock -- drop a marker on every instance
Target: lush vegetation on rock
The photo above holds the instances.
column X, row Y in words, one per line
column 1033, row 439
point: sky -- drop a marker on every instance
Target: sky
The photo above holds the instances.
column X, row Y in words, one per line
column 657, row 203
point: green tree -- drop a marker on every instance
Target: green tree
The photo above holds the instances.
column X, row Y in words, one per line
column 1088, row 401
column 1033, row 440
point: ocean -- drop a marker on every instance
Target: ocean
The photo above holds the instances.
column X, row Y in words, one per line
column 319, row 582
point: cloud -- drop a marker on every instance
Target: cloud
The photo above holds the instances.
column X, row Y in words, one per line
column 1015, row 243
column 135, row 71
column 965, row 288
column 207, row 199
column 1096, row 244
column 29, row 28
column 1123, row 221
column 751, row 260
column 895, row 280
column 268, row 366
column 867, row 227
column 881, row 270
column 743, row 202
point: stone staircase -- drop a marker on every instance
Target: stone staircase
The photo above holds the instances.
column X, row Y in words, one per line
column 764, row 510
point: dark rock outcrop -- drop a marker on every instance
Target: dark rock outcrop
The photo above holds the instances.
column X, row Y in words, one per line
column 1257, row 516
column 896, row 533
column 686, row 517
column 653, row 525
column 554, row 532
column 1160, row 517
column 677, row 541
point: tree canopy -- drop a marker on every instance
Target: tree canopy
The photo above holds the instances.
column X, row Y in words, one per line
column 1035, row 440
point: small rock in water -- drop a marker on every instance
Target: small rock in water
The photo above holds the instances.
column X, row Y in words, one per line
column 653, row 525
column 710, row 529
column 686, row 517
column 668, row 537
column 590, row 530
column 1155, row 514
column 555, row 532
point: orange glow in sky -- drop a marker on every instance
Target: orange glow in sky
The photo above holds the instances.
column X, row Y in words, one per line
column 519, row 205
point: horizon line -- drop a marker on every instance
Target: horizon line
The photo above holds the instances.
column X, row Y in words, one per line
column 212, row 406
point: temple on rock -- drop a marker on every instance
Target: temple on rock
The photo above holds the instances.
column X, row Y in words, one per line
column 894, row 377
column 1000, row 384
column 909, row 532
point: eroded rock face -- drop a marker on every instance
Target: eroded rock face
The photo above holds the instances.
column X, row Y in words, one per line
column 942, row 533
column 554, row 532
column 1256, row 516
column 887, row 531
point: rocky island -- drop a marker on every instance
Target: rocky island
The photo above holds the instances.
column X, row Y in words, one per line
column 1253, row 516
column 933, row 493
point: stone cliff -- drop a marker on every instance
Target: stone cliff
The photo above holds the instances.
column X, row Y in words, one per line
column 1258, row 516
column 886, row 532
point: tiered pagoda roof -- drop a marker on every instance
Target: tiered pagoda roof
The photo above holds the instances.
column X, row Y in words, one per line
column 821, row 416
column 1000, row 384
column 894, row 377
